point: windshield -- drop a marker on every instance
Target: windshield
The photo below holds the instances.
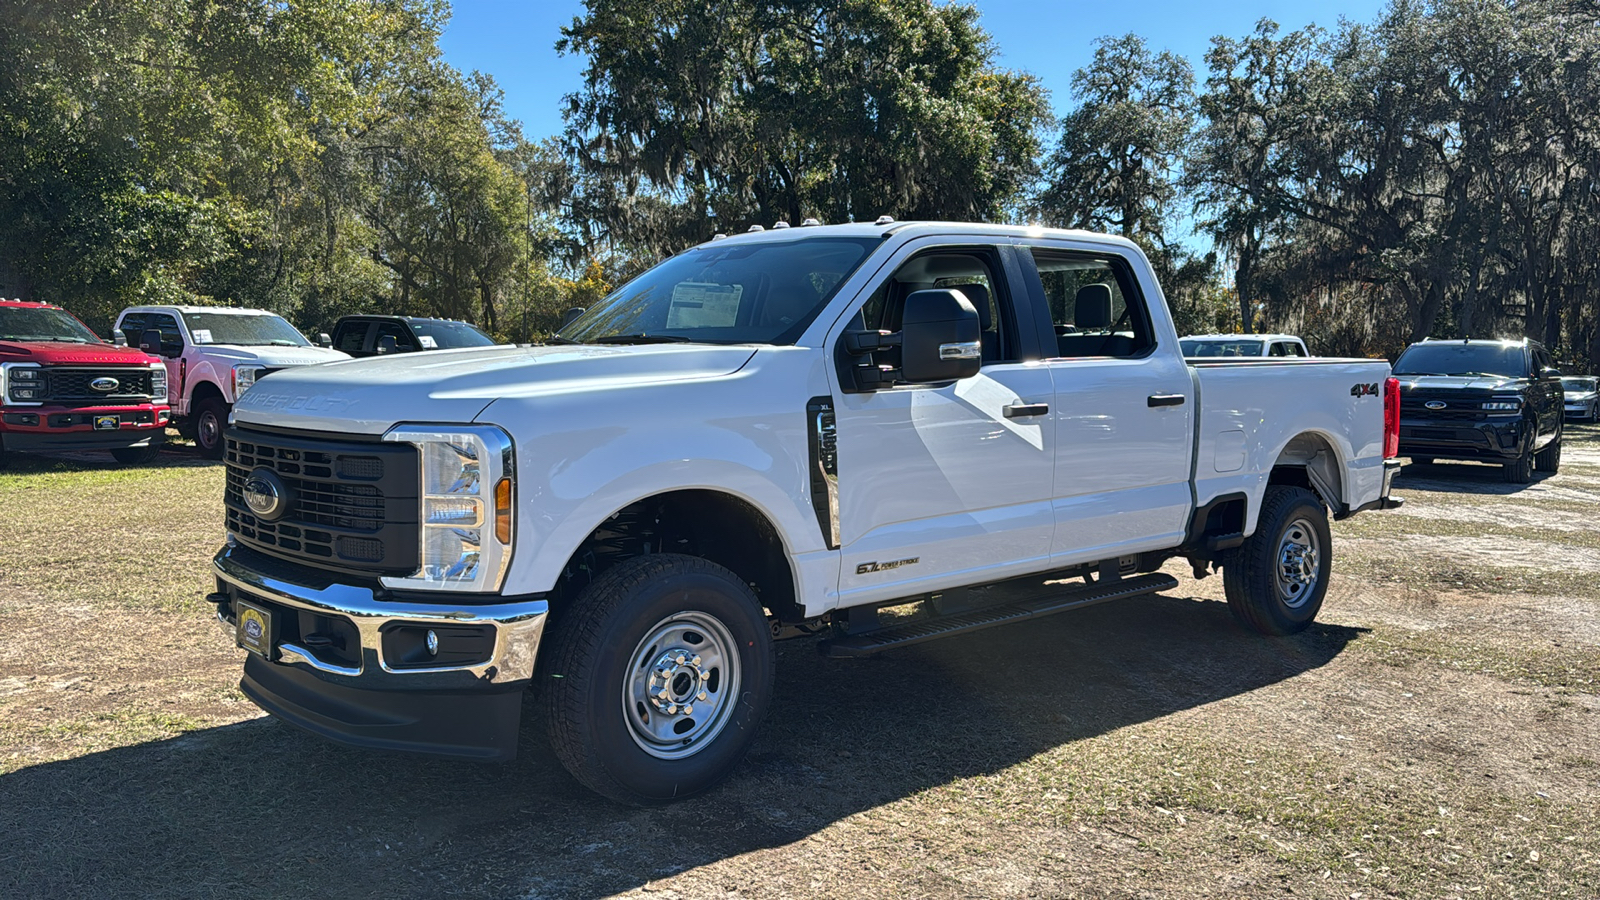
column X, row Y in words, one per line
column 1452, row 358
column 41, row 323
column 449, row 335
column 725, row 293
column 248, row 330
column 1221, row 348
column 1579, row 385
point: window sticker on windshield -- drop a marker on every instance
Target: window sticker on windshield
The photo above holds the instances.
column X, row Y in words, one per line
column 701, row 305
column 202, row 335
column 428, row 343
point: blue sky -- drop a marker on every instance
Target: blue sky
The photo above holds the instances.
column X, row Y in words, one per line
column 513, row 40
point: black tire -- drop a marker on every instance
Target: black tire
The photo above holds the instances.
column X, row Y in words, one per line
column 1261, row 595
column 1549, row 459
column 137, row 456
column 210, row 418
column 1521, row 470
column 599, row 656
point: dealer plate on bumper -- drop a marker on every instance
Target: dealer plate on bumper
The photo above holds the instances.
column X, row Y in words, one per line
column 107, row 423
column 254, row 631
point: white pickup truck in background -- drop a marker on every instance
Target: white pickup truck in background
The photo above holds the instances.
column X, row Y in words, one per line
column 214, row 354
column 1198, row 346
column 765, row 436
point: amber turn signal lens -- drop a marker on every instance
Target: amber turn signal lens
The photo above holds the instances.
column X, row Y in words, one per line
column 502, row 511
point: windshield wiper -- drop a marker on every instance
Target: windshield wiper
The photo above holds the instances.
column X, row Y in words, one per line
column 1420, row 374
column 558, row 339
column 1478, row 375
column 641, row 339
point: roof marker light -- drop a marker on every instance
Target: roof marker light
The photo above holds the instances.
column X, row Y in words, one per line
column 809, row 220
column 756, row 228
column 778, row 225
column 884, row 220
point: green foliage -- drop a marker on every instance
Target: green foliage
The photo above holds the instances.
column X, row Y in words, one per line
column 756, row 111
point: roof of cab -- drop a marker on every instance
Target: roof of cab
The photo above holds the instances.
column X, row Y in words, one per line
column 225, row 310
column 919, row 229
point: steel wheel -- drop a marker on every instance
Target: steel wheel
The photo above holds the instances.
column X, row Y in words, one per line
column 1299, row 556
column 682, row 682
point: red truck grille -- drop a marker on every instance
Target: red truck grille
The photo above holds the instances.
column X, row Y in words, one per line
column 73, row 385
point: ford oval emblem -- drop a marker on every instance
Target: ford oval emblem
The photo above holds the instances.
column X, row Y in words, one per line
column 265, row 494
column 1436, row 404
column 104, row 385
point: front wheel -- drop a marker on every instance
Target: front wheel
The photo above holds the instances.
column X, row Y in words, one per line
column 210, row 418
column 1276, row 580
column 1520, row 471
column 657, row 677
column 136, row 456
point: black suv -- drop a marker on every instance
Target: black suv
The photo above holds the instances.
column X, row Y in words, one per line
column 374, row 335
column 1494, row 401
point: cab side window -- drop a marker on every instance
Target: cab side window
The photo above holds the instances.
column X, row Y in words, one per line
column 350, row 336
column 1095, row 307
column 392, row 337
column 973, row 272
column 171, row 334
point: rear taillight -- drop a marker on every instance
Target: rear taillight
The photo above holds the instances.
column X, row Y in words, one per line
column 1391, row 418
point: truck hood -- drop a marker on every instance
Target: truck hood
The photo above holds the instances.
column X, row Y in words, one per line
column 273, row 357
column 59, row 353
column 1460, row 382
column 369, row 396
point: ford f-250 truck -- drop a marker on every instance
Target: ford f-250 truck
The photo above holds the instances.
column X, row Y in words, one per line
column 213, row 355
column 767, row 435
column 63, row 388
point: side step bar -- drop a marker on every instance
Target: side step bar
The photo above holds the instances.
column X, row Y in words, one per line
column 870, row 642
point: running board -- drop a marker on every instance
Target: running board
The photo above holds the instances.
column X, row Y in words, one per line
column 878, row 639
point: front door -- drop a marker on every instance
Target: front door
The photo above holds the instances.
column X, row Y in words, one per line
column 946, row 485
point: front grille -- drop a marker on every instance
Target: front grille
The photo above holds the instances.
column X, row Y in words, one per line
column 65, row 384
column 1457, row 408
column 352, row 506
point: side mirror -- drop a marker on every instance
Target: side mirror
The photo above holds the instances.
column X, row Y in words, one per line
column 323, row 340
column 118, row 338
column 386, row 344
column 1548, row 372
column 150, row 342
column 941, row 339
column 569, row 316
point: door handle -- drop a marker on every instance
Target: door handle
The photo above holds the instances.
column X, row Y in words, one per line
column 1018, row 410
column 1166, row 400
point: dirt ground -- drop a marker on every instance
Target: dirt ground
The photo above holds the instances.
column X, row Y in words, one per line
column 1435, row 735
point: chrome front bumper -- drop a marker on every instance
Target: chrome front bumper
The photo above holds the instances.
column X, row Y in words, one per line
column 518, row 627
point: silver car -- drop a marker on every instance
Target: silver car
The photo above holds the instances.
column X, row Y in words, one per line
column 1582, row 397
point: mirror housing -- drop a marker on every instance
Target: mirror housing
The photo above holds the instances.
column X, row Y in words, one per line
column 324, row 339
column 940, row 337
column 386, row 344
column 118, row 338
column 1548, row 372
column 150, row 342
column 569, row 316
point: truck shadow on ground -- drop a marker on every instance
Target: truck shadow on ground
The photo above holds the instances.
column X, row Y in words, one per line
column 174, row 455
column 259, row 809
column 1461, row 478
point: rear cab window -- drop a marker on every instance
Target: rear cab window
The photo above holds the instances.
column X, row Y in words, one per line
column 1096, row 309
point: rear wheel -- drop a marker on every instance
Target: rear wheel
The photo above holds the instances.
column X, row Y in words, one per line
column 136, row 456
column 1549, row 459
column 210, row 418
column 1275, row 582
column 658, row 675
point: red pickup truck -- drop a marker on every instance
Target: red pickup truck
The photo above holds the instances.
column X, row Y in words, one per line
column 63, row 388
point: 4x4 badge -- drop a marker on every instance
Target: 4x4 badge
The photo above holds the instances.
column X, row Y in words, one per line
column 1364, row 390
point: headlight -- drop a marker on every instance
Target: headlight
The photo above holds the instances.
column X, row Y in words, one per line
column 22, row 384
column 465, row 507
column 1502, row 405
column 158, row 383
column 244, row 378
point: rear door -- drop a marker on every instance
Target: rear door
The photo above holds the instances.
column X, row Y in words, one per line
column 947, row 484
column 1124, row 404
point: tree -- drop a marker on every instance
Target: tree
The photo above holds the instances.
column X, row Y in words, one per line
column 756, row 111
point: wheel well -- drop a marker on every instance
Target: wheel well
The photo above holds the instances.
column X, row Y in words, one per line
column 205, row 390
column 1310, row 461
column 711, row 525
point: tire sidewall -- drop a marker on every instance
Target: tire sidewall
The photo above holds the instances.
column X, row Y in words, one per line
column 1283, row 618
column 625, row 624
column 217, row 411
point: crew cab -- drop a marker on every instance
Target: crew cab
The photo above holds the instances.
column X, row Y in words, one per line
column 1491, row 401
column 1204, row 345
column 368, row 335
column 63, row 388
column 766, row 436
column 213, row 354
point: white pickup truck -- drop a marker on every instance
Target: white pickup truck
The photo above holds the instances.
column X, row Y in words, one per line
column 213, row 354
column 765, row 436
